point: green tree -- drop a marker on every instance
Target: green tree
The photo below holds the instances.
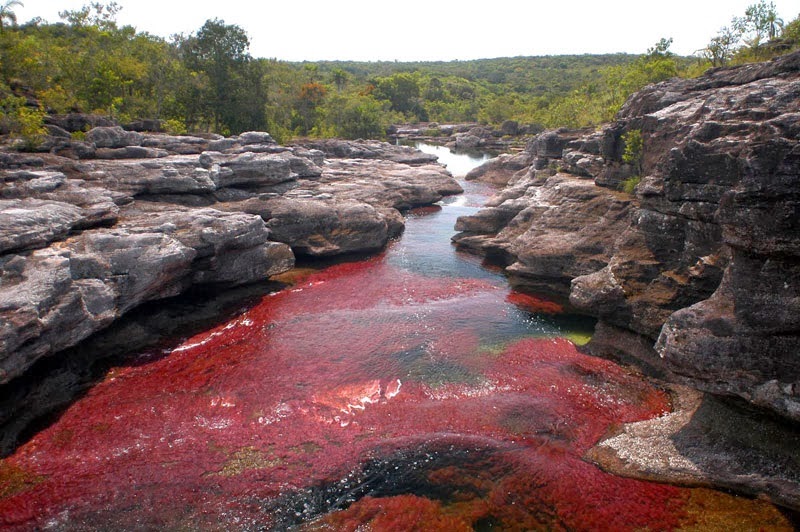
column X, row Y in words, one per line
column 309, row 101
column 760, row 21
column 357, row 117
column 634, row 149
column 340, row 78
column 22, row 121
column 403, row 92
column 220, row 52
column 96, row 14
column 719, row 51
column 435, row 91
column 633, row 154
column 7, row 13
column 791, row 33
column 661, row 49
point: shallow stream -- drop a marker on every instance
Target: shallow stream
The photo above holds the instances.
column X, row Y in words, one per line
column 410, row 389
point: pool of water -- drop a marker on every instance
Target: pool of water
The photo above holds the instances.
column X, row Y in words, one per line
column 411, row 390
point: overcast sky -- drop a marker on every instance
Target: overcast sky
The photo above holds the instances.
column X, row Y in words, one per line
column 408, row 30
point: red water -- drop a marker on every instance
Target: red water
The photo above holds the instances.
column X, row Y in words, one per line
column 378, row 392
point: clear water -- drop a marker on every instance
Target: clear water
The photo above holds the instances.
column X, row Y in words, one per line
column 409, row 391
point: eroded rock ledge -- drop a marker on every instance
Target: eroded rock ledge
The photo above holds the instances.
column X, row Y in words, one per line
column 93, row 229
column 697, row 273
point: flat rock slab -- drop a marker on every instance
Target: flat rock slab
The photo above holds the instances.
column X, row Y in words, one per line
column 706, row 441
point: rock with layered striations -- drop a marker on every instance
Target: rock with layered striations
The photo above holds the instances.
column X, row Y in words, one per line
column 84, row 242
column 176, row 174
column 74, row 122
column 323, row 227
column 113, row 137
column 501, row 169
column 176, row 144
column 370, row 149
column 548, row 230
column 52, row 298
column 703, row 257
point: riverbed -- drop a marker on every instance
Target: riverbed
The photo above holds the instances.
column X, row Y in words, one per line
column 409, row 389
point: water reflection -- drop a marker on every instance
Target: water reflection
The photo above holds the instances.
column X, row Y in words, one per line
column 459, row 163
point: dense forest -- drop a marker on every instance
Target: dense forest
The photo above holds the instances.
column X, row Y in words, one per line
column 207, row 81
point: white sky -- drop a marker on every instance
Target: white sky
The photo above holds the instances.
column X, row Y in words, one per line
column 409, row 30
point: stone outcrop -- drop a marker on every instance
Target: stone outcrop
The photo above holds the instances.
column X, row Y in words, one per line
column 500, row 169
column 509, row 137
column 702, row 260
column 142, row 217
column 547, row 229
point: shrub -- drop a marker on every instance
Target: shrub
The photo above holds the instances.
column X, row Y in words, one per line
column 629, row 185
column 23, row 122
column 634, row 150
column 174, row 126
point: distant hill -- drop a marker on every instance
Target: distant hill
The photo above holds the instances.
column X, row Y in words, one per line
column 533, row 75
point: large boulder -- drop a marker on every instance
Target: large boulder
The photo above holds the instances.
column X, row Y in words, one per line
column 370, row 149
column 501, row 169
column 255, row 170
column 53, row 298
column 113, row 137
column 325, row 227
column 548, row 232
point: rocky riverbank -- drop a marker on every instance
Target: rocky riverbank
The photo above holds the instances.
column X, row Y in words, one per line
column 95, row 228
column 508, row 137
column 695, row 274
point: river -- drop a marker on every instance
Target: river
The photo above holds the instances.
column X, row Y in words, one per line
column 410, row 389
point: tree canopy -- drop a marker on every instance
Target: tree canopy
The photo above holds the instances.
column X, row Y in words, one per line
column 208, row 81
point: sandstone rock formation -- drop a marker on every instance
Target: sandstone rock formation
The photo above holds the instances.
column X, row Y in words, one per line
column 703, row 260
column 509, row 137
column 130, row 217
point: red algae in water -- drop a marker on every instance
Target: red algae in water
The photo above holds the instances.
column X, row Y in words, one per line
column 352, row 363
column 403, row 512
column 534, row 304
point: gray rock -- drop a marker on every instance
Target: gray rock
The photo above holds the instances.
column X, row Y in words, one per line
column 146, row 126
column 250, row 170
column 370, row 149
column 113, row 137
column 167, row 175
column 82, row 246
column 56, row 131
column 130, row 152
column 177, row 145
column 501, row 169
column 30, row 223
column 719, row 194
column 74, row 122
column 52, row 299
column 255, row 137
column 322, row 227
column 467, row 141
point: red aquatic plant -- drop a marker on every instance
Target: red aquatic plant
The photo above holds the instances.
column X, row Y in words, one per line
column 353, row 363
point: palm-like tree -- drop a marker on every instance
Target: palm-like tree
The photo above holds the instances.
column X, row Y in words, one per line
column 774, row 24
column 6, row 12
